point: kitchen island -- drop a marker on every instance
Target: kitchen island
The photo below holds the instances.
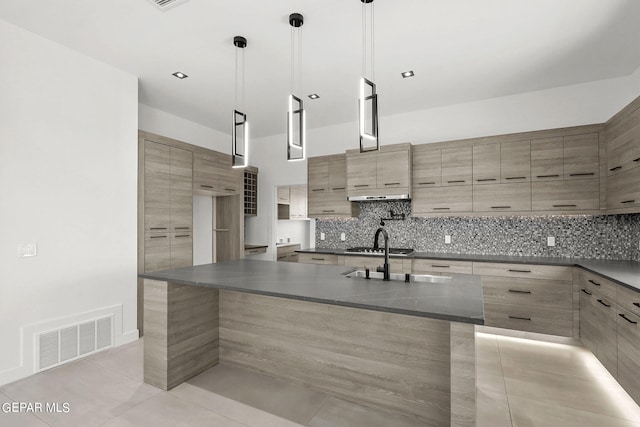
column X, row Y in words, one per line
column 408, row 348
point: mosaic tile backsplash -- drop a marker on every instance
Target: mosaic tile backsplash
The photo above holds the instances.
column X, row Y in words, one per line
column 604, row 236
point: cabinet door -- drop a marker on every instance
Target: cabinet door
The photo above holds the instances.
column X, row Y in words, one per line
column 157, row 251
column 547, row 159
column 623, row 190
column 629, row 353
column 515, row 162
column 297, row 202
column 427, row 168
column 317, row 177
column 442, row 200
column 393, row 170
column 157, row 187
column 181, row 249
column 623, row 144
column 205, row 172
column 502, row 197
column 581, row 156
column 588, row 324
column 181, row 190
column 606, row 335
column 229, row 179
column 284, row 195
column 457, row 166
column 338, row 175
column 579, row 194
column 486, row 164
column 361, row 173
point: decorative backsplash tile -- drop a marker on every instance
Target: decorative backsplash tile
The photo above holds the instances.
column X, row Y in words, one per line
column 602, row 236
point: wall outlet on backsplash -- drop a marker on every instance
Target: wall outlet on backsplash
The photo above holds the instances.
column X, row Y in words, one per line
column 447, row 239
column 551, row 241
column 322, row 236
column 343, row 237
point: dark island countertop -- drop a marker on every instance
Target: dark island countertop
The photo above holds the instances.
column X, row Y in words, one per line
column 623, row 272
column 458, row 301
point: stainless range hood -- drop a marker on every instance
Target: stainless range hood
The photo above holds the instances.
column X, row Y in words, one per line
column 375, row 198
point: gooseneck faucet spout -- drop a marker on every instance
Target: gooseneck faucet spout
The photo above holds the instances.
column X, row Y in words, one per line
column 385, row 269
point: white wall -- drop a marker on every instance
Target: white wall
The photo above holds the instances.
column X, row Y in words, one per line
column 68, row 176
column 575, row 105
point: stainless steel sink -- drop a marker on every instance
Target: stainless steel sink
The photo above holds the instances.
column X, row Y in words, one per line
column 399, row 277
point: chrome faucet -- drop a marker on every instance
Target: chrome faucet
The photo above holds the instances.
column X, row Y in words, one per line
column 385, row 269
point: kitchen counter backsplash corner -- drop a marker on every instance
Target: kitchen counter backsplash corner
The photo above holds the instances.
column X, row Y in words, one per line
column 583, row 236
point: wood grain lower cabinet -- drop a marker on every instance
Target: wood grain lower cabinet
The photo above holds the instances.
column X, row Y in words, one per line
column 588, row 321
column 628, row 327
column 606, row 332
column 287, row 253
column 397, row 265
column 324, row 259
column 440, row 267
column 578, row 194
column 542, row 320
column 442, row 200
column 502, row 197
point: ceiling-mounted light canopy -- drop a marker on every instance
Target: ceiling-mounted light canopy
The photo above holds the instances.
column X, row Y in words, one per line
column 296, row 120
column 240, row 125
column 407, row 74
column 368, row 98
column 180, row 75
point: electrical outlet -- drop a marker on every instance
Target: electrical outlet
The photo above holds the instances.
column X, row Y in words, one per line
column 321, row 236
column 447, row 240
column 343, row 237
column 27, row 250
column 551, row 241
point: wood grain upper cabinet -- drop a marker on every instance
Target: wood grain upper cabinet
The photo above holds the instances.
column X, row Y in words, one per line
column 297, row 202
column 566, row 195
column 157, row 189
column 427, row 167
column 442, row 200
column 327, row 187
column 392, row 169
column 515, row 162
column 457, row 166
column 181, row 172
column 623, row 143
column 317, row 176
column 515, row 197
column 623, row 191
column 547, row 159
column 284, row 197
column 338, row 175
column 581, row 156
column 361, row 173
column 377, row 173
column 486, row 164
column 205, row 172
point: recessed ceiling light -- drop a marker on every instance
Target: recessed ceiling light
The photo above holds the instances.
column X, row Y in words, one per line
column 314, row 96
column 407, row 74
column 180, row 75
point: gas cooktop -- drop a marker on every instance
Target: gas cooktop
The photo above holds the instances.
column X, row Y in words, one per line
column 371, row 251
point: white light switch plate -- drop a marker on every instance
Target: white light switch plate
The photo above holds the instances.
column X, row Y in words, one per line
column 447, row 240
column 27, row 250
column 551, row 241
column 321, row 236
column 343, row 237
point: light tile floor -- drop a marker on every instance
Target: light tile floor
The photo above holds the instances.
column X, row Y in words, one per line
column 521, row 383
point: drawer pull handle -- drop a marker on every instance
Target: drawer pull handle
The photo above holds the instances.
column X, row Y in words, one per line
column 516, row 177
column 182, row 228
column 337, row 188
column 516, row 291
column 636, row 304
column 426, row 183
column 604, row 303
column 317, row 259
column 206, row 186
column 519, row 271
column 361, row 185
column 158, row 237
column 439, row 266
column 637, row 160
column 230, row 189
column 392, row 183
column 500, row 207
column 519, row 318
column 594, row 283
column 485, row 179
column 441, row 209
column 628, row 201
column 615, row 168
column 318, row 189
column 586, row 292
column 565, row 206
column 582, row 174
column 158, row 228
column 328, row 210
column 455, row 181
column 627, row 319
column 547, row 176
column 183, row 235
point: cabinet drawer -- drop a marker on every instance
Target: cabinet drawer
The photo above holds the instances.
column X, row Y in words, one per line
column 431, row 266
column 255, row 251
column 629, row 300
column 442, row 199
column 553, row 321
column 599, row 286
column 329, row 259
column 578, row 194
column 502, row 197
column 529, row 292
column 398, row 265
column 530, row 271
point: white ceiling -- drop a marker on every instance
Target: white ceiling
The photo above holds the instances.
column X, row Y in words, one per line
column 460, row 50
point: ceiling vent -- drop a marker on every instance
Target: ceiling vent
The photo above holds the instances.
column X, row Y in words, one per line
column 167, row 4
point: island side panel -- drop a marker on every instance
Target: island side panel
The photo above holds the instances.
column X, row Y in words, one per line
column 463, row 375
column 181, row 332
column 392, row 361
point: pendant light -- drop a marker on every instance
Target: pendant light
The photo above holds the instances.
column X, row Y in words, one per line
column 368, row 99
column 296, row 121
column 240, row 129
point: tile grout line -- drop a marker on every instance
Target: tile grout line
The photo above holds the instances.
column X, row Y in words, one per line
column 504, row 382
column 133, row 407
column 215, row 412
column 324, row 401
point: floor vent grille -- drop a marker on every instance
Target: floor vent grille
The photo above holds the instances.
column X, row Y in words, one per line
column 74, row 341
column 167, row 4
